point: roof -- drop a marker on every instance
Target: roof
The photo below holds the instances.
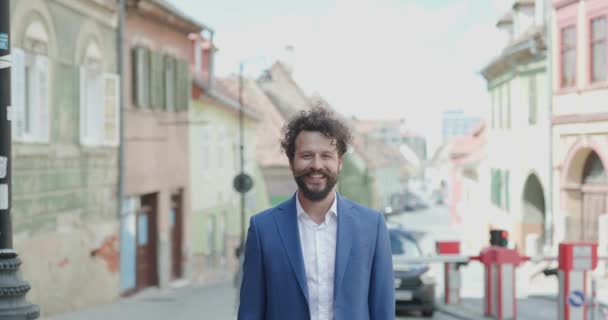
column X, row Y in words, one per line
column 522, row 3
column 526, row 47
column 185, row 22
column 507, row 18
column 225, row 98
column 280, row 87
column 468, row 148
column 269, row 129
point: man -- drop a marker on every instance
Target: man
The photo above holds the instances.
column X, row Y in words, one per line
column 317, row 256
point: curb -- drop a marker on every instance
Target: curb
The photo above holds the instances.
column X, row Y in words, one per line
column 460, row 312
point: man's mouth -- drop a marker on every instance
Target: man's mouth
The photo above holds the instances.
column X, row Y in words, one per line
column 315, row 177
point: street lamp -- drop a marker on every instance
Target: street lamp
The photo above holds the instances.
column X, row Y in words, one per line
column 242, row 182
column 12, row 288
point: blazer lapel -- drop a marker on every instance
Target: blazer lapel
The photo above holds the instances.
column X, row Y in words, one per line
column 287, row 223
column 344, row 241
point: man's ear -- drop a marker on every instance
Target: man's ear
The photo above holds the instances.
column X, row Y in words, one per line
column 290, row 165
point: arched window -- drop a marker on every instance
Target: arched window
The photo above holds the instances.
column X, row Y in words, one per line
column 31, row 90
column 98, row 99
column 593, row 171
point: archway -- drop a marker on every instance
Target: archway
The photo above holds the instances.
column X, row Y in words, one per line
column 533, row 220
column 593, row 191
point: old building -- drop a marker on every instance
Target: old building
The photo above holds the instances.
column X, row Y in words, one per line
column 517, row 172
column 580, row 119
column 155, row 242
column 65, row 137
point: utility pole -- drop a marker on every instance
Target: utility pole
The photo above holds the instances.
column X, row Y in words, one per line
column 550, row 218
column 242, row 152
column 12, row 288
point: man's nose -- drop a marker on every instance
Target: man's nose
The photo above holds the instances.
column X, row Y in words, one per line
column 316, row 164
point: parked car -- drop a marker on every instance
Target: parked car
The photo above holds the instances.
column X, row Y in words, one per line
column 414, row 287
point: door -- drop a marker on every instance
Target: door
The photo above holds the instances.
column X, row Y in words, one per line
column 594, row 205
column 146, row 269
column 176, row 225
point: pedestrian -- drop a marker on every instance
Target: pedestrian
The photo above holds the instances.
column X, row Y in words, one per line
column 318, row 255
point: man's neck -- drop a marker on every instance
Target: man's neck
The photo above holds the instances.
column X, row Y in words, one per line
column 317, row 209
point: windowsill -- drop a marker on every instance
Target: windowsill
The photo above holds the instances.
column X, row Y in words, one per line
column 596, row 86
column 566, row 91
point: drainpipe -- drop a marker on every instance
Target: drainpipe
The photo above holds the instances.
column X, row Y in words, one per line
column 121, row 119
column 549, row 212
column 211, row 58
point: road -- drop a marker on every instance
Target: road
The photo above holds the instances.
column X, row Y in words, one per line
column 217, row 302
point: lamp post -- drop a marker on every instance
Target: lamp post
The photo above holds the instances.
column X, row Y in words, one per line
column 12, row 288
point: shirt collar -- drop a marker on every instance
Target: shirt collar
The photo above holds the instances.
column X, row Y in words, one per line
column 333, row 209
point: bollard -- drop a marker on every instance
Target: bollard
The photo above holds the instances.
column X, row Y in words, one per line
column 500, row 264
column 451, row 278
column 575, row 260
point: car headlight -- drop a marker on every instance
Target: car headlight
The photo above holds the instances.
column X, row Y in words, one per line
column 397, row 283
column 427, row 279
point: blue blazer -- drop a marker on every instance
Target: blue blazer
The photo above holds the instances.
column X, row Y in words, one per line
column 274, row 280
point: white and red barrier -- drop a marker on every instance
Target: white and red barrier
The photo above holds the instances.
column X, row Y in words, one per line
column 451, row 279
column 499, row 281
column 575, row 259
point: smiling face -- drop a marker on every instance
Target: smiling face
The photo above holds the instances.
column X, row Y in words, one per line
column 316, row 165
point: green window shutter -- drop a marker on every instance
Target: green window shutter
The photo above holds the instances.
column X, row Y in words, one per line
column 176, row 86
column 169, row 83
column 135, row 83
column 182, row 82
column 507, row 205
column 499, row 186
column 156, row 69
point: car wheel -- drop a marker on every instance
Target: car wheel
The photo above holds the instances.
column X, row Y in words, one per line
column 428, row 313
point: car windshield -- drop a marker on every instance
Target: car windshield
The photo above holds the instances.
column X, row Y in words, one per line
column 402, row 246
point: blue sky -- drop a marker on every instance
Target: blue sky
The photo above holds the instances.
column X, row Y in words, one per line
column 370, row 58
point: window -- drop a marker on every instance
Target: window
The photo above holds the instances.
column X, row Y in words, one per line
column 568, row 56
column 31, row 87
column 99, row 101
column 598, row 49
column 532, row 111
column 403, row 246
column 141, row 73
column 500, row 105
column 170, row 77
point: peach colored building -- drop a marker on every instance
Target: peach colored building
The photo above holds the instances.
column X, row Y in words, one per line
column 161, row 49
column 580, row 119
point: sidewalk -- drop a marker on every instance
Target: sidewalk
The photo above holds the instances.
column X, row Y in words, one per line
column 209, row 302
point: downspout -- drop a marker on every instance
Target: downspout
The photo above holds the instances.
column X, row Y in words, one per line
column 121, row 103
column 211, row 59
column 549, row 214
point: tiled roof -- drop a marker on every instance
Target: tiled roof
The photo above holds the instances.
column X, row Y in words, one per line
column 283, row 91
column 523, row 3
column 507, row 18
column 174, row 10
column 269, row 129
column 469, row 146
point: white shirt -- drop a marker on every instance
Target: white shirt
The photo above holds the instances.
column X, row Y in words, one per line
column 319, row 251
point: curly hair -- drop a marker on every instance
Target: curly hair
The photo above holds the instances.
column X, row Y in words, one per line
column 320, row 120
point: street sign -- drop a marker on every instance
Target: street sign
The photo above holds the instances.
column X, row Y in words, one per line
column 576, row 299
column 242, row 183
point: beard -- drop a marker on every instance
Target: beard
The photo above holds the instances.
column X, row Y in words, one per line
column 316, row 195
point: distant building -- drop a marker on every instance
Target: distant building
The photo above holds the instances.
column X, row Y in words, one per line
column 456, row 123
column 394, row 133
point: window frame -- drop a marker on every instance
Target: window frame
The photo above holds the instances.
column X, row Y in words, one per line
column 562, row 54
column 592, row 43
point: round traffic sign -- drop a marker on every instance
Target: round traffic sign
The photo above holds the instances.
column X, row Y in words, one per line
column 242, row 183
